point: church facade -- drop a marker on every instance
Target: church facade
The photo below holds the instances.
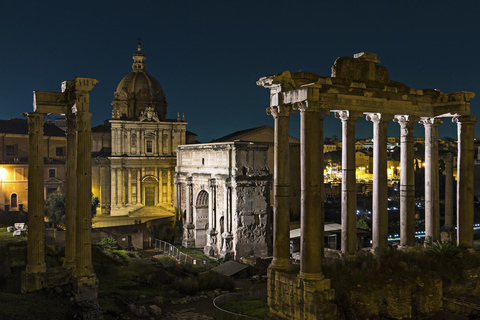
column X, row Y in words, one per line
column 134, row 153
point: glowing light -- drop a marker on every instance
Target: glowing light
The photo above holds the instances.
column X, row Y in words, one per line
column 3, row 174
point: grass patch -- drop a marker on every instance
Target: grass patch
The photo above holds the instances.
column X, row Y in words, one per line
column 8, row 236
column 253, row 308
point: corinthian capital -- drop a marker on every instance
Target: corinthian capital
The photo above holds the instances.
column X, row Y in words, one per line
column 284, row 110
column 378, row 117
column 405, row 121
column 35, row 122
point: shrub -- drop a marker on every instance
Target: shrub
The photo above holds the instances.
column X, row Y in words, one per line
column 108, row 242
column 211, row 281
column 187, row 285
column 167, row 262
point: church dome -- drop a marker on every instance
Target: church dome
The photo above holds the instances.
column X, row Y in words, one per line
column 138, row 91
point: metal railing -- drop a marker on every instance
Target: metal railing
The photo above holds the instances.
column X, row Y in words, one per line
column 221, row 314
column 181, row 257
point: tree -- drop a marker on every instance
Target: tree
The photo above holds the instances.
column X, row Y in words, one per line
column 55, row 204
column 95, row 203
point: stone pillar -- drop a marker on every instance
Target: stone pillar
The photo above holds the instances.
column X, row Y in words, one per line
column 432, row 195
column 349, row 181
column 160, row 185
column 113, row 179
column 169, row 186
column 71, row 193
column 139, row 187
column 212, row 232
column 449, row 191
column 158, row 194
column 86, row 283
column 380, row 186
column 129, row 186
column 407, row 181
column 178, row 211
column 465, row 179
column 129, row 143
column 188, row 238
column 31, row 281
column 281, row 187
column 311, row 174
column 227, row 234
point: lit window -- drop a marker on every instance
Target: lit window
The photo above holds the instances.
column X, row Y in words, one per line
column 149, row 146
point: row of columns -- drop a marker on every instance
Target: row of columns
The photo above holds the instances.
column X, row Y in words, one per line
column 312, row 210
column 78, row 199
column 122, row 184
column 134, row 141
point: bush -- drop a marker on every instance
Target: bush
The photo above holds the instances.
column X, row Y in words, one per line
column 187, row 285
column 108, row 242
column 167, row 262
column 211, row 281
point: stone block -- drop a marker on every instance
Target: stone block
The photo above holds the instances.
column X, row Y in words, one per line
column 85, row 288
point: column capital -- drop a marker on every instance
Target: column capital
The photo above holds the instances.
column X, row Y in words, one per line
column 306, row 106
column 464, row 119
column 405, row 120
column 430, row 121
column 378, row 117
column 284, row 110
column 346, row 115
column 35, row 122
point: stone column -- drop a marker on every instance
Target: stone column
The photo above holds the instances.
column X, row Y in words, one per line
column 380, row 186
column 349, row 182
column 432, row 195
column 129, row 143
column 169, row 186
column 113, row 179
column 465, row 179
column 139, row 187
column 449, row 191
column 212, row 232
column 281, row 187
column 311, row 174
column 227, row 234
column 71, row 193
column 160, row 185
column 36, row 225
column 407, row 181
column 129, row 186
column 188, row 238
column 84, row 266
column 158, row 194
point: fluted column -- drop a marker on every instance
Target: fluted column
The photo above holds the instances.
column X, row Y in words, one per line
column 71, row 194
column 407, row 181
column 188, row 238
column 36, row 203
column 449, row 191
column 380, row 186
column 84, row 196
column 113, row 179
column 311, row 175
column 281, row 187
column 465, row 179
column 139, row 187
column 432, row 195
column 349, row 192
column 129, row 186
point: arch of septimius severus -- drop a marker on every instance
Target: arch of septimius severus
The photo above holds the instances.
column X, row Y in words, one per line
column 358, row 86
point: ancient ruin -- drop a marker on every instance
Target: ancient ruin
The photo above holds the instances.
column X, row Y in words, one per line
column 357, row 86
column 73, row 102
column 222, row 198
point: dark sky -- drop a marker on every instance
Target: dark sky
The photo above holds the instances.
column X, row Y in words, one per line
column 207, row 55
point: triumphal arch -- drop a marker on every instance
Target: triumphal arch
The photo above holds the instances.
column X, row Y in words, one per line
column 73, row 102
column 357, row 87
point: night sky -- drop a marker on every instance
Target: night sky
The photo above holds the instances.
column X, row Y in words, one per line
column 207, row 55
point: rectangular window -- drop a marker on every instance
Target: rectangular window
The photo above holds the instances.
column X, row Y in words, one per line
column 59, row 151
column 10, row 150
column 52, row 173
column 18, row 174
column 149, row 146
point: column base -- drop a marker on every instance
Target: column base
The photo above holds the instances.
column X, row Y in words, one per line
column 32, row 281
column 281, row 265
column 292, row 297
column 69, row 265
column 85, row 288
column 448, row 234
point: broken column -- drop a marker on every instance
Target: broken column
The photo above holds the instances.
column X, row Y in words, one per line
column 432, row 195
column 407, row 181
column 32, row 278
column 465, row 182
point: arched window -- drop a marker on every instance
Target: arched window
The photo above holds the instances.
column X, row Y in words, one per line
column 13, row 200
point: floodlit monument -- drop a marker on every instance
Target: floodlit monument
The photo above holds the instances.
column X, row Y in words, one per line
column 73, row 102
column 357, row 86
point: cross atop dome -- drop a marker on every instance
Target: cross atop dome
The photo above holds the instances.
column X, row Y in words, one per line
column 139, row 59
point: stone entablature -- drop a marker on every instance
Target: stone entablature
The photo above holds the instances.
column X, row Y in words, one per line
column 222, row 198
